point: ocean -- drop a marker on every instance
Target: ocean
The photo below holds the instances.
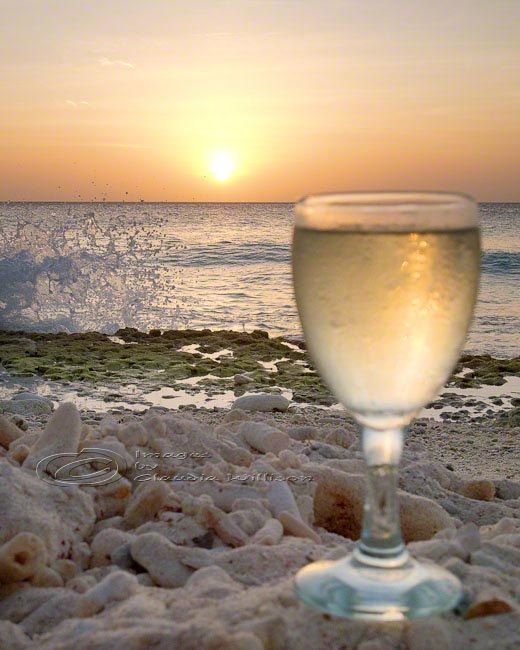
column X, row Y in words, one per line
column 101, row 266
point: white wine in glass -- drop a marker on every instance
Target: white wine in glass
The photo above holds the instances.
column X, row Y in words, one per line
column 385, row 285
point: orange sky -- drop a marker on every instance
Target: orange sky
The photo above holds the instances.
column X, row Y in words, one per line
column 129, row 99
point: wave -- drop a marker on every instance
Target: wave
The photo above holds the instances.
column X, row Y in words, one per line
column 500, row 263
column 226, row 253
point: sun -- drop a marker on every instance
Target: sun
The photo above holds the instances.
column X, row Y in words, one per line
column 222, row 165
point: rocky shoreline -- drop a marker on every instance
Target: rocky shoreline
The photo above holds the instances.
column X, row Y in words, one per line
column 133, row 366
column 209, row 513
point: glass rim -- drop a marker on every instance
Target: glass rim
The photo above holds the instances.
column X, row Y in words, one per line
column 387, row 210
column 386, row 197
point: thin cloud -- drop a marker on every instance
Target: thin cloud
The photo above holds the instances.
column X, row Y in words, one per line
column 74, row 104
column 105, row 62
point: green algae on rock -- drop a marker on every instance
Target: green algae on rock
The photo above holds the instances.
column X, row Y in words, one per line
column 484, row 369
column 208, row 358
column 165, row 359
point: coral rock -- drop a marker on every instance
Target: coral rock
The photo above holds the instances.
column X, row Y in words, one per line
column 217, row 520
column 271, row 533
column 489, row 604
column 264, row 438
column 19, row 452
column 22, row 557
column 147, row 501
column 116, row 586
column 105, row 542
column 161, row 559
column 235, row 415
column 8, row 432
column 421, row 518
column 297, row 527
column 47, row 577
column 13, row 637
column 338, row 507
column 60, row 516
column 27, row 404
column 262, row 402
column 61, row 435
column 482, row 490
column 132, row 434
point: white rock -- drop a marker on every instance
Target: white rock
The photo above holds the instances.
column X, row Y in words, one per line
column 271, row 533
column 289, row 459
column 111, row 522
column 505, row 526
column 81, row 583
column 223, row 495
column 105, row 542
column 437, row 549
column 263, row 437
column 235, row 415
column 490, row 602
column 47, row 577
column 155, row 427
column 21, row 557
column 61, row 435
column 339, row 503
column 118, row 585
column 147, row 500
column 217, row 520
column 284, row 508
column 109, row 426
column 26, row 395
column 507, row 489
column 13, row 637
column 61, row 516
column 132, row 434
column 51, row 612
column 81, row 555
column 262, row 402
column 340, row 436
column 160, row 558
column 27, row 404
column 145, row 579
column 66, row 568
column 234, row 454
column 281, row 499
column 19, row 452
column 177, row 527
column 211, row 575
column 303, row 432
column 297, row 527
column 126, row 462
column 9, row 432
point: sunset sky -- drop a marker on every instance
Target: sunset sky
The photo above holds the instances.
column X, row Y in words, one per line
column 243, row 100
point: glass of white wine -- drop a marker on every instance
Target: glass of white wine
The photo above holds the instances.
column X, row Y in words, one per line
column 385, row 285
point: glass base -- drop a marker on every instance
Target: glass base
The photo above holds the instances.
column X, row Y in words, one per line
column 353, row 589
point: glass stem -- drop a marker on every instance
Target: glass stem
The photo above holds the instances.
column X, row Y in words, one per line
column 381, row 542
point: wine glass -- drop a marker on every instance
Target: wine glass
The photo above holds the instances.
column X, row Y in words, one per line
column 385, row 285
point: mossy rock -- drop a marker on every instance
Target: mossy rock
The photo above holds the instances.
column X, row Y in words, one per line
column 154, row 359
